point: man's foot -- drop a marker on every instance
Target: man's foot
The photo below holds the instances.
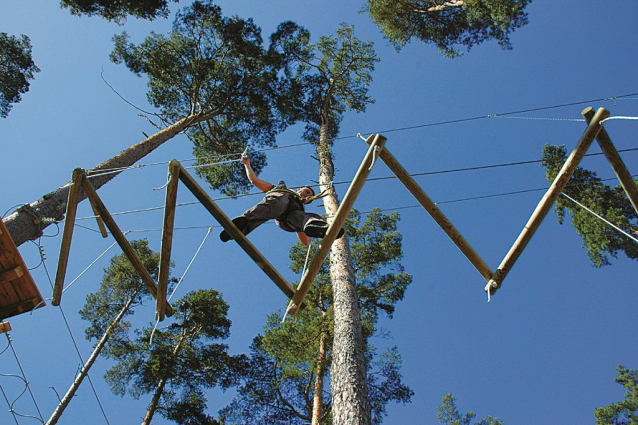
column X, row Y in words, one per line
column 319, row 231
column 240, row 222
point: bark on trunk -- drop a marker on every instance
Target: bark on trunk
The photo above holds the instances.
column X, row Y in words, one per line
column 317, row 403
column 29, row 222
column 85, row 369
column 350, row 403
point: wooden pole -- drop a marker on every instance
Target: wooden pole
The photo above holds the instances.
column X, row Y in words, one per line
column 616, row 162
column 436, row 214
column 100, row 223
column 67, row 234
column 121, row 240
column 376, row 145
column 235, row 233
column 548, row 200
column 167, row 237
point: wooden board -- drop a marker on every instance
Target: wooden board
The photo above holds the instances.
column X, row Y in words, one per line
column 18, row 292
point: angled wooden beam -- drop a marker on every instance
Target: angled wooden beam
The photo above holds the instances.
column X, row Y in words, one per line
column 121, row 240
column 376, row 146
column 436, row 214
column 67, row 234
column 100, row 223
column 235, row 233
column 548, row 200
column 615, row 160
column 167, row 237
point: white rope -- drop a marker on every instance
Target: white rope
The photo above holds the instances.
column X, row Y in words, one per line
column 291, row 304
column 95, row 261
column 169, row 177
column 603, row 219
column 617, row 118
column 210, row 229
column 374, row 157
column 150, row 341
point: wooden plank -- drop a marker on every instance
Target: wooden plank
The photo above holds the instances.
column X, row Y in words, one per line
column 67, row 234
column 19, row 294
column 337, row 223
column 121, row 240
column 12, row 274
column 167, row 237
column 612, row 155
column 235, row 233
column 548, row 200
column 436, row 214
column 5, row 327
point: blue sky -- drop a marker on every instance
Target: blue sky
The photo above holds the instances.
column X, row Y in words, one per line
column 544, row 350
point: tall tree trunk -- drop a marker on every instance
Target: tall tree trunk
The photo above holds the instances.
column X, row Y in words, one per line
column 159, row 390
column 85, row 369
column 350, row 403
column 28, row 222
column 154, row 402
column 317, row 404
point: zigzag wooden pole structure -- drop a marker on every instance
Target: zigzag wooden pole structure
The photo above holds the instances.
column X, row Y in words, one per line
column 545, row 204
column 178, row 172
column 436, row 213
column 81, row 181
column 619, row 167
column 376, row 145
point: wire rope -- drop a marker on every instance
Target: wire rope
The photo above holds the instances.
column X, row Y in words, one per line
column 393, row 130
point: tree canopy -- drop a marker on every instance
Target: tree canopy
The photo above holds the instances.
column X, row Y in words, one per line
column 449, row 414
column 119, row 10
column 624, row 412
column 601, row 240
column 214, row 71
column 177, row 363
column 16, row 69
column 448, row 24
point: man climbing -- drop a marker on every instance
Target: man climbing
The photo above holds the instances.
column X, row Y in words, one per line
column 285, row 206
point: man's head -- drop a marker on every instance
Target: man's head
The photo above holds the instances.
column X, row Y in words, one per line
column 306, row 192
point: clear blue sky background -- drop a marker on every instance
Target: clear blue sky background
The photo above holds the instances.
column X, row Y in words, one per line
column 544, row 350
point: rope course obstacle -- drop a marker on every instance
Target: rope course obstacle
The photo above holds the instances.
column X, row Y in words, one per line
column 376, row 150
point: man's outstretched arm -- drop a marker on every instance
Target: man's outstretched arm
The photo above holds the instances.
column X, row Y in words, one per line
column 262, row 185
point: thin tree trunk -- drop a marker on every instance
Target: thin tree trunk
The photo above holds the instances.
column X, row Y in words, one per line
column 317, row 403
column 159, row 390
column 348, row 373
column 52, row 206
column 155, row 402
column 85, row 369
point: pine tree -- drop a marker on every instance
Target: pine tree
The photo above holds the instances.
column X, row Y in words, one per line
column 16, row 69
column 290, row 365
column 624, row 412
column 334, row 76
column 179, row 362
column 210, row 77
column 448, row 24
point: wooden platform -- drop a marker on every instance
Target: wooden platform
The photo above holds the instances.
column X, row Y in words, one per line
column 18, row 292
